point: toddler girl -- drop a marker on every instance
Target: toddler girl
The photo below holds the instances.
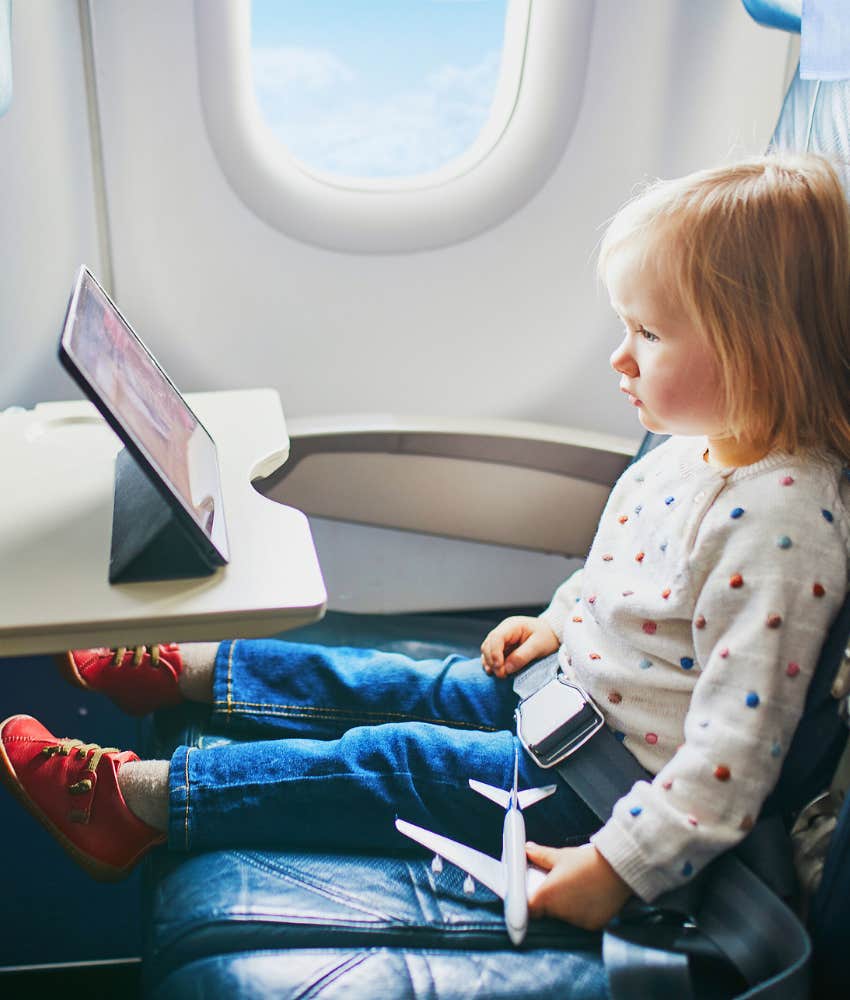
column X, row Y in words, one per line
column 720, row 561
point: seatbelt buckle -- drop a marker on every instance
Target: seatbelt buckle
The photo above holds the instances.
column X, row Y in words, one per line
column 556, row 720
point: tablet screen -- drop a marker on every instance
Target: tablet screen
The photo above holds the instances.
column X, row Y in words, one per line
column 122, row 377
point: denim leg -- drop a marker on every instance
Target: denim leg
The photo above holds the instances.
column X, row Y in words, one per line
column 273, row 688
column 345, row 793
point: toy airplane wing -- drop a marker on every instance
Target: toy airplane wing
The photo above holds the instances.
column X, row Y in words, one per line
column 484, row 869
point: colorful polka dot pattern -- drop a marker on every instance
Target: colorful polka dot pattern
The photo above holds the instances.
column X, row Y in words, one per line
column 736, row 582
column 653, row 591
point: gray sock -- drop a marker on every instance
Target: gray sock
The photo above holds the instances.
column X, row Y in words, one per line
column 144, row 785
column 196, row 680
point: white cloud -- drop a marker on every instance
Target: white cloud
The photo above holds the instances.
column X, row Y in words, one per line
column 402, row 134
column 277, row 70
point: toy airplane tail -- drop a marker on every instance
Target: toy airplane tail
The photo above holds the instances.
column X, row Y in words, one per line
column 501, row 796
column 527, row 797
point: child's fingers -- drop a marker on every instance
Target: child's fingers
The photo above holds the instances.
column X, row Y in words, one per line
column 521, row 656
column 495, row 643
column 540, row 902
column 491, row 652
column 533, row 648
column 543, row 857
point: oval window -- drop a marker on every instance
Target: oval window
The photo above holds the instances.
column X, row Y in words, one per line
column 377, row 88
column 385, row 126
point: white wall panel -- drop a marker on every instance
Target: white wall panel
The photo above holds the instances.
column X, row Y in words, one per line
column 47, row 216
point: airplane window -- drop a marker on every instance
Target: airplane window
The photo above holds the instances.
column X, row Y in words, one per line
column 377, row 88
column 385, row 126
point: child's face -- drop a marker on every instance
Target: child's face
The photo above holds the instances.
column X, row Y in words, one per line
column 666, row 368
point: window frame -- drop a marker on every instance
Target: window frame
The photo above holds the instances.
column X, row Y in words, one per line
column 534, row 111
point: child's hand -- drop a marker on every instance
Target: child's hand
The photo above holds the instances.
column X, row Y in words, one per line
column 514, row 643
column 581, row 887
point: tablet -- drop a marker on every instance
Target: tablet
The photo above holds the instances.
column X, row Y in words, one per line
column 101, row 352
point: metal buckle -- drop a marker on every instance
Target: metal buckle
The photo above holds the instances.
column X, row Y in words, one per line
column 556, row 720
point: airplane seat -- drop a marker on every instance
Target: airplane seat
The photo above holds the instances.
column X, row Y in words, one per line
column 257, row 923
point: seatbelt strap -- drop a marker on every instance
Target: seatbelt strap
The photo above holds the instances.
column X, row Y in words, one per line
column 603, row 770
column 749, row 924
column 634, row 970
column 756, row 931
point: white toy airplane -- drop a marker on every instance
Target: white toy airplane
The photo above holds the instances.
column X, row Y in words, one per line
column 513, row 878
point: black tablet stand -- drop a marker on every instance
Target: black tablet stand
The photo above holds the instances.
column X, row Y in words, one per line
column 148, row 541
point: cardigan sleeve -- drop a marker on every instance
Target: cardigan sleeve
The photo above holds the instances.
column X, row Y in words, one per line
column 562, row 603
column 769, row 579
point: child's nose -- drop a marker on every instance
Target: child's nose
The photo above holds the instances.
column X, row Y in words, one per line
column 622, row 361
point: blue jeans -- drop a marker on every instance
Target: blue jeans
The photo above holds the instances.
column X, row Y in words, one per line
column 330, row 745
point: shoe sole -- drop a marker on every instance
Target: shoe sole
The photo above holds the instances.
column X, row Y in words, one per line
column 98, row 870
column 68, row 669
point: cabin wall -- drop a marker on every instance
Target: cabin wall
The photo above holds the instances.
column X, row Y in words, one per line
column 48, row 222
column 511, row 323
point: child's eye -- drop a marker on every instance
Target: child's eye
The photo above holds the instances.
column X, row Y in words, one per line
column 647, row 335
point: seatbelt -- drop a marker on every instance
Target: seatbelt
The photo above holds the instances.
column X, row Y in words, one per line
column 733, row 908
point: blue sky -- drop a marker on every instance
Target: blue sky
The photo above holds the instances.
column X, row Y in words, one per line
column 376, row 87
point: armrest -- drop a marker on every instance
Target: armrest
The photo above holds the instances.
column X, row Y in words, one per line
column 530, row 486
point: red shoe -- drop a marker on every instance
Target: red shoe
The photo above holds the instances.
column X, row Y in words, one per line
column 71, row 787
column 138, row 682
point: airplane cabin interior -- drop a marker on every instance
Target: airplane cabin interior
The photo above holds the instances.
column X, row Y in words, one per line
column 304, row 339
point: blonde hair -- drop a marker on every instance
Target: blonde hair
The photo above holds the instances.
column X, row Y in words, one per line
column 758, row 255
